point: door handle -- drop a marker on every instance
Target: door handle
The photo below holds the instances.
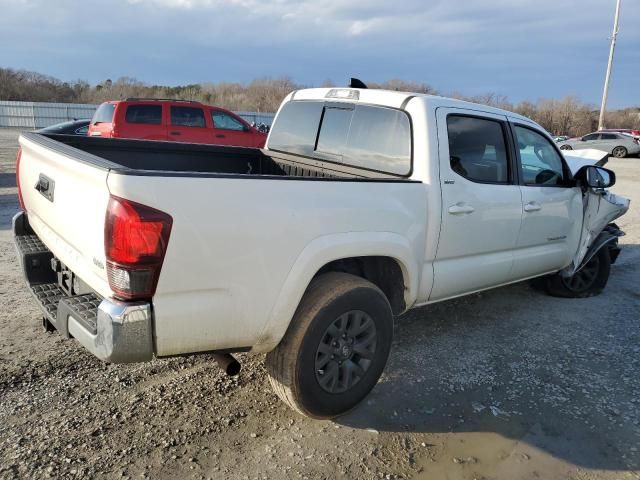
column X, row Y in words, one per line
column 219, row 136
column 461, row 209
column 175, row 133
column 532, row 207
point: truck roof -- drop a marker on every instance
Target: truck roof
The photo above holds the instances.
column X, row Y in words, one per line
column 396, row 99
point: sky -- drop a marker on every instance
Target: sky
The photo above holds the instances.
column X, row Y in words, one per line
column 524, row 49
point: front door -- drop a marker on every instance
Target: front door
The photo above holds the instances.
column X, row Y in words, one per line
column 552, row 207
column 481, row 203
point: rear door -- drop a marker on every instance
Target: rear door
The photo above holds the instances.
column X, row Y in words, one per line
column 188, row 124
column 608, row 141
column 552, row 206
column 142, row 120
column 229, row 130
column 481, row 203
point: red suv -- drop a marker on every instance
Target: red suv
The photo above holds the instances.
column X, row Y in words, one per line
column 173, row 120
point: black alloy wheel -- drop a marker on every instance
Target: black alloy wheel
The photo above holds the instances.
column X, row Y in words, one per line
column 345, row 351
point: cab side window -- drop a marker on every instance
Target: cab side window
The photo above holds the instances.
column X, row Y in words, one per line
column 146, row 114
column 187, row 117
column 477, row 149
column 540, row 162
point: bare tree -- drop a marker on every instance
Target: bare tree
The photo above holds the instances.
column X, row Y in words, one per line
column 565, row 116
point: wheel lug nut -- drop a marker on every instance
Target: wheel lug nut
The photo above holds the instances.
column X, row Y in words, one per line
column 332, row 357
column 344, row 335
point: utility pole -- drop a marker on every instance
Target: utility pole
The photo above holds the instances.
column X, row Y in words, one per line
column 605, row 93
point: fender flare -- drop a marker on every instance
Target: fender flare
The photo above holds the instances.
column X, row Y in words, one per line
column 322, row 251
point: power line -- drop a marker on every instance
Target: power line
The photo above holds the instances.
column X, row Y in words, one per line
column 605, row 93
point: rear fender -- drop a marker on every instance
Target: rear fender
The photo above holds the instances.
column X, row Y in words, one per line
column 322, row 251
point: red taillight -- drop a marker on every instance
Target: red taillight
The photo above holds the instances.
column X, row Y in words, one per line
column 18, row 156
column 135, row 242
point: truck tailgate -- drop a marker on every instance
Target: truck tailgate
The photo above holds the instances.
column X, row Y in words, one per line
column 66, row 195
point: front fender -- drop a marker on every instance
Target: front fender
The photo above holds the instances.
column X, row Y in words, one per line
column 610, row 234
column 324, row 250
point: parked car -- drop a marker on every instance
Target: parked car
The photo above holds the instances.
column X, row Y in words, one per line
column 617, row 144
column 173, row 120
column 560, row 138
column 73, row 127
column 364, row 204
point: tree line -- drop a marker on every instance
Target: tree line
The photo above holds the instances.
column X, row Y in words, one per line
column 564, row 116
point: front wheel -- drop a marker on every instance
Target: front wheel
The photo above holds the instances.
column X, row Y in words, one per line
column 587, row 282
column 336, row 346
column 619, row 152
column 566, row 147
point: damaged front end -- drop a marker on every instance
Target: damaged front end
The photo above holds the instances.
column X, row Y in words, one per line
column 600, row 208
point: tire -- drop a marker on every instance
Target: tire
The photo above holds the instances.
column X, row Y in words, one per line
column 302, row 370
column 587, row 282
column 566, row 147
column 619, row 152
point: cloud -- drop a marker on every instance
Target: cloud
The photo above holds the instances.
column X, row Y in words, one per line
column 541, row 48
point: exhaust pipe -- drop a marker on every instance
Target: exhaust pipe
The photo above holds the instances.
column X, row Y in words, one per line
column 226, row 362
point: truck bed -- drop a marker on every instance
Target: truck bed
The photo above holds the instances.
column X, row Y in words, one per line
column 171, row 158
column 250, row 228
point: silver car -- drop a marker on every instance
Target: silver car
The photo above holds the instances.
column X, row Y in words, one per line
column 617, row 144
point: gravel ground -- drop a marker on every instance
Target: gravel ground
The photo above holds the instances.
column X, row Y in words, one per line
column 505, row 384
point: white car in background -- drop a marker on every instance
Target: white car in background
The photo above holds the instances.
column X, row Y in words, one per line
column 617, row 144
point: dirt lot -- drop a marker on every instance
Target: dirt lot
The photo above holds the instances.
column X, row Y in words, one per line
column 506, row 384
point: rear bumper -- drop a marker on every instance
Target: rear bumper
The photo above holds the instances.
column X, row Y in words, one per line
column 114, row 331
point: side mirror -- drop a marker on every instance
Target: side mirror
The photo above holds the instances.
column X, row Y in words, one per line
column 596, row 178
column 582, row 139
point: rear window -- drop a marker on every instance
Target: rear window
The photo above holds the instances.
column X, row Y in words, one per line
column 104, row 113
column 608, row 136
column 297, row 127
column 147, row 114
column 371, row 137
column 187, row 117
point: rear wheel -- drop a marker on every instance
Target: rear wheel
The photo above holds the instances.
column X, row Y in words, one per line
column 587, row 282
column 335, row 348
column 619, row 152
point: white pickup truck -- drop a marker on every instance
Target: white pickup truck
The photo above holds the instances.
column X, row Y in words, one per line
column 365, row 203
